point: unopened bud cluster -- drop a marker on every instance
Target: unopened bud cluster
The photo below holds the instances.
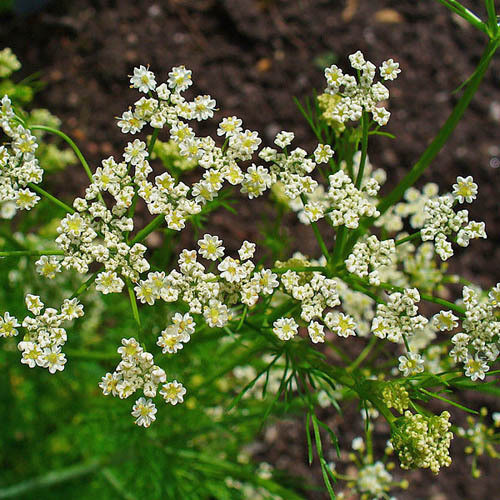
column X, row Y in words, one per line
column 422, row 441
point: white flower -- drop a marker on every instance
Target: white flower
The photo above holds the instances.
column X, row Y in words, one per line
column 33, row 303
column 71, row 309
column 135, row 152
column 316, row 332
column 341, row 324
column 143, row 79
column 389, row 70
column 109, row 282
column 229, row 126
column 358, row 444
column 170, row 341
column 231, row 270
column 475, row 368
column 53, row 359
column 267, row 281
column 445, row 320
column 247, row 250
column 323, row 153
column 179, row 78
column 8, row 325
column 216, row 314
column 465, row 189
column 108, row 384
column 144, row 410
column 203, row 107
column 357, row 60
column 314, row 210
column 184, row 324
column 285, row 328
column 284, row 139
column 129, row 123
column 145, row 292
column 32, row 354
column 173, row 392
column 411, row 364
column 130, row 348
column 26, row 199
column 211, row 247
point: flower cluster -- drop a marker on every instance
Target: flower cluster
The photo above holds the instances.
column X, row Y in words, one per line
column 422, row 441
column 205, row 292
column 374, row 479
column 441, row 220
column 167, row 107
column 355, row 96
column 481, row 438
column 368, row 256
column 291, row 169
column 315, row 293
column 18, row 165
column 399, row 318
column 137, row 371
column 44, row 337
column 478, row 343
column 94, row 233
column 8, row 62
column 396, row 396
column 348, row 203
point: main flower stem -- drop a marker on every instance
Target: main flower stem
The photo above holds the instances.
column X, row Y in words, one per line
column 72, row 144
column 74, row 147
column 51, row 198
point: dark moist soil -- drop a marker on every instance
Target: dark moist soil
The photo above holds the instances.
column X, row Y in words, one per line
column 253, row 57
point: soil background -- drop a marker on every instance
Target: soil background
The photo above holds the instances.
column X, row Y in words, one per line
column 253, row 57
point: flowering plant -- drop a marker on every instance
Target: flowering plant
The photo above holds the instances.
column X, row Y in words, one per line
column 381, row 276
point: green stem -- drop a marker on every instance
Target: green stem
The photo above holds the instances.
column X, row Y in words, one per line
column 339, row 245
column 410, row 237
column 492, row 18
column 72, row 144
column 84, row 286
column 133, row 304
column 364, row 149
column 364, row 353
column 143, row 233
column 53, row 199
column 152, row 142
column 30, row 253
column 317, row 233
column 466, row 14
column 51, row 479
